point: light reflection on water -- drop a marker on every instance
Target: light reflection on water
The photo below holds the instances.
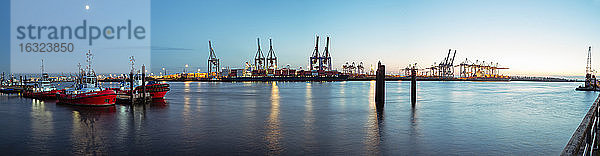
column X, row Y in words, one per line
column 88, row 135
column 310, row 141
column 273, row 131
column 372, row 140
column 42, row 129
column 326, row 118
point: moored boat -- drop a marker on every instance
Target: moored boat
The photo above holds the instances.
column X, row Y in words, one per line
column 87, row 91
column 157, row 90
column 88, row 98
column 51, row 94
column 43, row 89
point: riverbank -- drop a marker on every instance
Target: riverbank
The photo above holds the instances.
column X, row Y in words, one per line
column 388, row 78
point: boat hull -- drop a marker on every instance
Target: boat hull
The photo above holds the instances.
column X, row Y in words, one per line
column 158, row 95
column 157, row 91
column 98, row 98
column 43, row 95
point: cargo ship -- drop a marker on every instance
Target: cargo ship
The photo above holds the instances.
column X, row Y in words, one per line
column 87, row 91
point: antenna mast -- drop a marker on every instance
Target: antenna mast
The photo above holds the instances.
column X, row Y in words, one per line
column 132, row 62
column 89, row 56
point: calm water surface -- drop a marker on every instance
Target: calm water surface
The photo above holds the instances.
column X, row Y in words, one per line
column 466, row 118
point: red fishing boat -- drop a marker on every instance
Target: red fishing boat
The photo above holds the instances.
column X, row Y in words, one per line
column 89, row 98
column 156, row 90
column 87, row 91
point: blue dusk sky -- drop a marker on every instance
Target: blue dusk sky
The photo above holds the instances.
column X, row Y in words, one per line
column 4, row 35
column 531, row 37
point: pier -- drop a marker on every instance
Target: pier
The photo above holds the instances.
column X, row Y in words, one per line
column 585, row 139
column 136, row 96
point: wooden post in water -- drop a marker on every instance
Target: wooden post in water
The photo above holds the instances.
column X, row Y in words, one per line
column 380, row 86
column 144, row 83
column 413, row 86
column 131, row 80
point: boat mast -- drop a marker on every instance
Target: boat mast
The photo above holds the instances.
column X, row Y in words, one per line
column 90, row 72
column 89, row 61
column 42, row 75
column 132, row 62
column 80, row 73
column 42, row 66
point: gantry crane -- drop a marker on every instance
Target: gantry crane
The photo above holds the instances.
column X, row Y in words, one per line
column 213, row 61
column 259, row 58
column 315, row 60
column 271, row 58
column 326, row 57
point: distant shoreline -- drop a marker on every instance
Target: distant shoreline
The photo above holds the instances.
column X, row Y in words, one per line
column 372, row 79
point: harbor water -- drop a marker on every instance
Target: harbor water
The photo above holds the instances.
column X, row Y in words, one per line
column 324, row 118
